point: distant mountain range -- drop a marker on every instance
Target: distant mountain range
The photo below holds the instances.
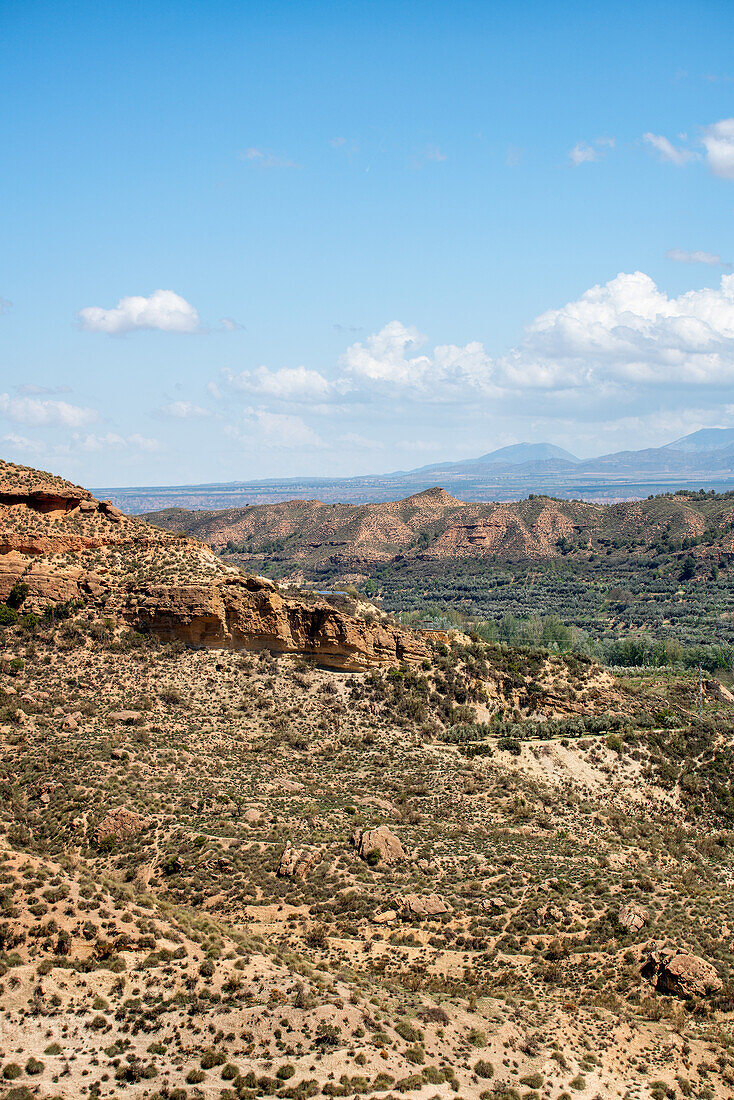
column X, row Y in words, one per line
column 703, row 459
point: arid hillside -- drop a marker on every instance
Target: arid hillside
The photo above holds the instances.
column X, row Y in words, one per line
column 269, row 847
column 658, row 569
column 59, row 545
column 497, row 875
column 432, row 526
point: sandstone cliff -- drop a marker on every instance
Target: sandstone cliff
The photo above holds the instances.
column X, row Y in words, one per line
column 58, row 543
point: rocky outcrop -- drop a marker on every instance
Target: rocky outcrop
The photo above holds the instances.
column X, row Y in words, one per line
column 378, row 846
column 680, row 973
column 297, row 862
column 422, row 905
column 119, row 824
column 250, row 613
column 632, row 917
column 59, row 544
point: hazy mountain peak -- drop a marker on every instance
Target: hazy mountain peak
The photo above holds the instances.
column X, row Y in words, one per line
column 705, row 439
column 517, row 453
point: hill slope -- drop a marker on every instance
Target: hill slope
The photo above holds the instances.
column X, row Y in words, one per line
column 433, row 525
column 224, row 875
column 58, row 544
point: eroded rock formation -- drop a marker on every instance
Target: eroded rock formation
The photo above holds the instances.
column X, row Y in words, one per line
column 57, row 543
column 250, row 613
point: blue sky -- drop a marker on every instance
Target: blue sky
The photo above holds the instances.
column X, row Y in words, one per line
column 273, row 239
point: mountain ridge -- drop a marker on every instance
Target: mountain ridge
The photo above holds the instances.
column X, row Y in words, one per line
column 694, row 461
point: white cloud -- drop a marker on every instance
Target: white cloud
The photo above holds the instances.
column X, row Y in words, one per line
column 385, row 358
column 263, row 158
column 36, row 413
column 23, row 443
column 629, row 331
column 582, row 153
column 79, row 444
column 718, row 141
column 668, row 152
column 680, row 256
column 5, row 305
column 288, row 384
column 163, row 310
column 258, row 428
column 111, row 440
column 585, row 153
column 613, row 341
column 354, row 439
column 182, row 410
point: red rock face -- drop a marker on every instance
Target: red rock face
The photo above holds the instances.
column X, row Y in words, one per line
column 62, row 545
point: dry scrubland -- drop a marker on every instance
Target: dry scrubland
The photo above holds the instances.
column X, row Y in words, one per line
column 233, row 875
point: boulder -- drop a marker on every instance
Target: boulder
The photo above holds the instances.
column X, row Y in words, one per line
column 422, row 905
column 672, row 970
column 119, row 823
column 297, row 862
column 378, row 846
column 126, row 717
column 110, row 511
column 90, row 584
column 632, row 917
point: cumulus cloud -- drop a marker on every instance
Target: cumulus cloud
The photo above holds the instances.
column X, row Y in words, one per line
column 230, row 325
column 288, row 384
column 182, row 410
column 627, row 330
column 668, row 152
column 718, row 141
column 257, row 428
column 23, row 443
column 33, row 412
column 82, row 443
column 163, row 310
column 387, row 357
column 617, row 337
column 680, row 256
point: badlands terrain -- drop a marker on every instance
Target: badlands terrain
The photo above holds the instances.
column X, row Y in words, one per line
column 659, row 567
column 261, row 843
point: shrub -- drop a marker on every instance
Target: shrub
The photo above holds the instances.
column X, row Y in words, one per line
column 533, row 1080
column 484, row 1069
